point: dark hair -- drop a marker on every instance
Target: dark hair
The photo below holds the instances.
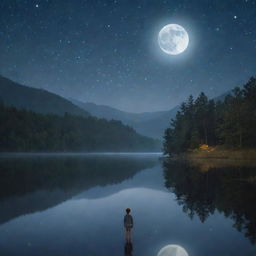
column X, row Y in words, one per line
column 128, row 210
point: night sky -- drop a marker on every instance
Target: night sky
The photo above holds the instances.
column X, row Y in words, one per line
column 107, row 51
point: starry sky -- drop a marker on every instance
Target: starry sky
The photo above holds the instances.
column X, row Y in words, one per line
column 106, row 51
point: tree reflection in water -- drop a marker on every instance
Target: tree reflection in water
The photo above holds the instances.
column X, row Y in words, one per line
column 35, row 183
column 202, row 187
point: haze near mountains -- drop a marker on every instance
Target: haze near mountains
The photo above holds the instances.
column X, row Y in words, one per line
column 151, row 124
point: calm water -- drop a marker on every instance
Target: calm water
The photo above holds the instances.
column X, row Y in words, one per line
column 74, row 205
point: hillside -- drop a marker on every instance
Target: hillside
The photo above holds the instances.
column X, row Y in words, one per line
column 37, row 100
column 26, row 131
column 150, row 124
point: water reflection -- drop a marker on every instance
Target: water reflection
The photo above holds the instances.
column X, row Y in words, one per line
column 128, row 248
column 202, row 187
column 172, row 250
column 35, row 183
column 60, row 206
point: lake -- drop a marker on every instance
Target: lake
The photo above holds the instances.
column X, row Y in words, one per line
column 74, row 204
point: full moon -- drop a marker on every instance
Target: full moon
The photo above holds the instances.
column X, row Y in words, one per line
column 173, row 39
column 172, row 250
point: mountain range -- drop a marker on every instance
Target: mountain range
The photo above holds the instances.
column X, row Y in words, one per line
column 151, row 124
column 37, row 100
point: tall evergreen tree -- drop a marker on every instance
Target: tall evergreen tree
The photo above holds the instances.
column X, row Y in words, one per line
column 202, row 121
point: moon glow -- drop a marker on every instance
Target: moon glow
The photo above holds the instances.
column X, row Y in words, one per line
column 172, row 250
column 173, row 39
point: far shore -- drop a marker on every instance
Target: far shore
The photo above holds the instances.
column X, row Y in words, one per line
column 236, row 155
column 219, row 158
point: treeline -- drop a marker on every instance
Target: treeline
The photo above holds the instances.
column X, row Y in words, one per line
column 22, row 130
column 231, row 122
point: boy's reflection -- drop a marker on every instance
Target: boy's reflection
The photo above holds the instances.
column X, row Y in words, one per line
column 128, row 249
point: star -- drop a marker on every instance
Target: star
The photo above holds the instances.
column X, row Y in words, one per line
column 120, row 38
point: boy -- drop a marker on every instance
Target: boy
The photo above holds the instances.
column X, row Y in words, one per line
column 128, row 224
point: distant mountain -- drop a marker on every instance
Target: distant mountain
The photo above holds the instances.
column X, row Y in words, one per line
column 155, row 126
column 150, row 124
column 51, row 133
column 37, row 100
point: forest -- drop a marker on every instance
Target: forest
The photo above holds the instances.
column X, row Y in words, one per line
column 230, row 123
column 26, row 131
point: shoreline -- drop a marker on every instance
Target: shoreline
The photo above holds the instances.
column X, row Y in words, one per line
column 245, row 154
column 219, row 158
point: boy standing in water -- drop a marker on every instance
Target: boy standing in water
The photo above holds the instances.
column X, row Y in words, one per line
column 128, row 224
